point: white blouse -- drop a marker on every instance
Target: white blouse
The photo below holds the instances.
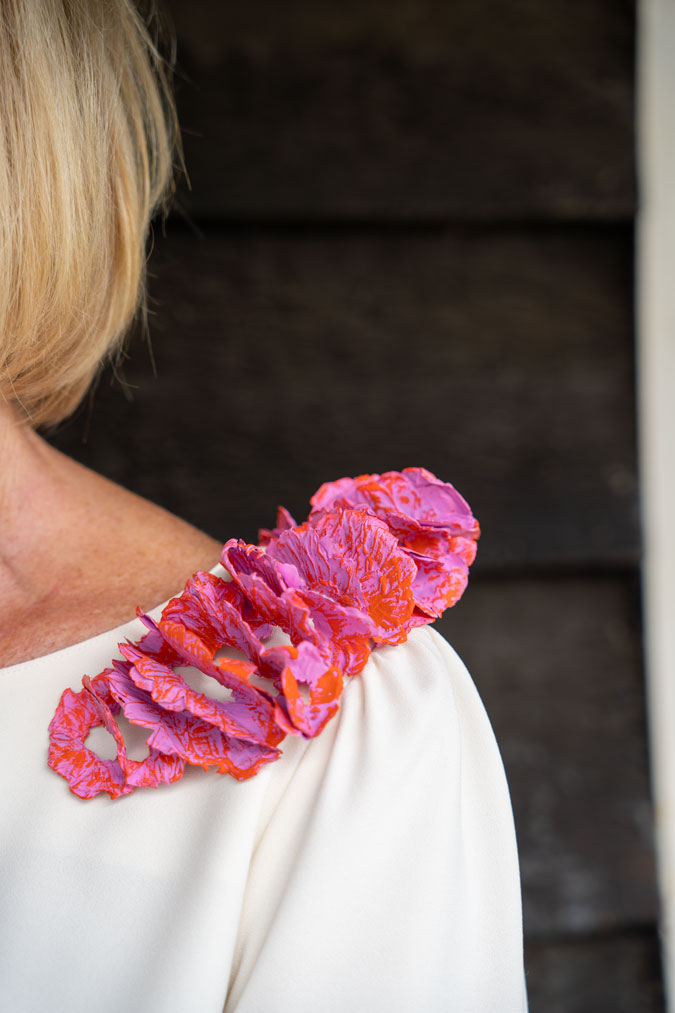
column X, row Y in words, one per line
column 372, row 868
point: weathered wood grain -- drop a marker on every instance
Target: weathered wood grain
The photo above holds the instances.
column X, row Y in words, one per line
column 558, row 664
column 407, row 110
column 501, row 360
column 618, row 973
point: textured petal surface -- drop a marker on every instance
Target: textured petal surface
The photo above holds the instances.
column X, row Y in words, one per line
column 385, row 574
column 439, row 584
column 430, row 520
column 411, row 495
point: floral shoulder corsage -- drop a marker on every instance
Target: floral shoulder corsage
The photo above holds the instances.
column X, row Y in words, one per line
column 377, row 556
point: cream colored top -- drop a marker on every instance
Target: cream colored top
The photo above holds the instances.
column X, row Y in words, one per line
column 372, row 868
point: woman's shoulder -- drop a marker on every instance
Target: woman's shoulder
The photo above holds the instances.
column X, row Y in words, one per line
column 415, row 718
column 390, row 834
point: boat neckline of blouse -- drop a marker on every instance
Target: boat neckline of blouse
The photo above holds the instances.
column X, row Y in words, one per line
column 118, row 632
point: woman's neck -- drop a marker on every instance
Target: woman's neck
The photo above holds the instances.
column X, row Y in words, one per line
column 29, row 485
column 78, row 553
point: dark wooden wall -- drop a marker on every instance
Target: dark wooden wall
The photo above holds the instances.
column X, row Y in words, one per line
column 409, row 240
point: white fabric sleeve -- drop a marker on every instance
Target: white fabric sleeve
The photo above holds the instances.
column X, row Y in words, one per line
column 385, row 875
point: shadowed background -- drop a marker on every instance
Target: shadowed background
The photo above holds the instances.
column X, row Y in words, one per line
column 409, row 241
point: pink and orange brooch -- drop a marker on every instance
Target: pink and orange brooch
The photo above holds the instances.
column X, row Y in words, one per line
column 377, row 556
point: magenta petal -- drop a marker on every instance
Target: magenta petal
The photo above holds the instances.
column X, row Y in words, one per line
column 188, row 737
column 87, row 774
column 439, row 583
column 413, row 499
column 319, row 561
column 251, row 720
column 304, row 665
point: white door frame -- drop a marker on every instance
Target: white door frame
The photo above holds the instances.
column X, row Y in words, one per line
column 656, row 425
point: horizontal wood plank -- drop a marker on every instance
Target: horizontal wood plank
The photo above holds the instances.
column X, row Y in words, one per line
column 612, row 974
column 558, row 664
column 501, row 360
column 407, row 110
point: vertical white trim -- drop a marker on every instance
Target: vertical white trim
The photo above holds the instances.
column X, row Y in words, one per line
column 656, row 403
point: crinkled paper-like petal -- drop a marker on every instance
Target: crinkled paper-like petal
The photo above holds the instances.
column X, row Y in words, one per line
column 428, row 517
column 186, row 736
column 377, row 556
column 278, row 591
column 241, row 719
column 351, row 557
column 413, row 494
column 439, row 583
column 87, row 774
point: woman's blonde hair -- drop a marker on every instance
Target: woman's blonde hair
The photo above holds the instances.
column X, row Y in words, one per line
column 88, row 136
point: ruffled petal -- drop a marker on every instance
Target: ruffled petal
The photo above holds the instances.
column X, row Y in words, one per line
column 298, row 667
column 439, row 583
column 347, row 630
column 87, row 774
column 186, row 736
column 429, row 519
column 250, row 719
column 413, row 495
column 384, row 573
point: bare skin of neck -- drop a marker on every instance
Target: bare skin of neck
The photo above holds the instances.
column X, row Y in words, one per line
column 77, row 552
